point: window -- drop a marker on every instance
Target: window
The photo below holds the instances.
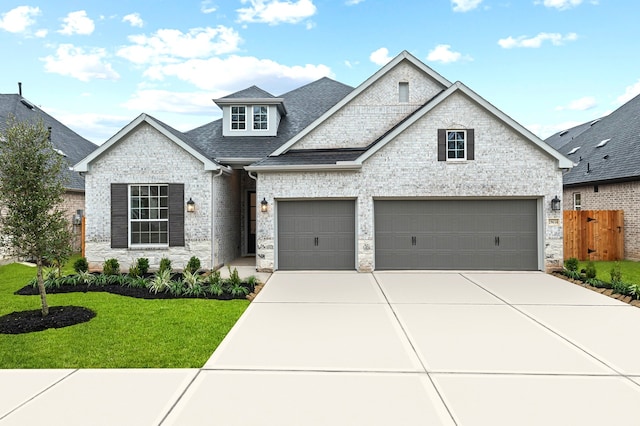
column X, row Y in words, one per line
column 456, row 145
column 238, row 118
column 456, row 142
column 577, row 201
column 403, row 91
column 149, row 214
column 260, row 117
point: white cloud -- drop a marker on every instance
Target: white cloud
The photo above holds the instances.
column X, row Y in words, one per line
column 238, row 72
column 543, row 131
column 153, row 100
column 274, row 12
column 134, row 20
column 96, row 127
column 206, row 8
column 443, row 53
column 561, row 4
column 380, row 56
column 630, row 92
column 77, row 23
column 353, row 2
column 465, row 5
column 556, row 39
column 18, row 20
column 41, row 33
column 75, row 62
column 169, row 45
column 581, row 104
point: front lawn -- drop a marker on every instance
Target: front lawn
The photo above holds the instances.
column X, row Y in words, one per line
column 630, row 270
column 126, row 332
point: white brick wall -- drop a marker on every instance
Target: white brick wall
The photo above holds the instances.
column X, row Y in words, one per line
column 505, row 165
column 146, row 156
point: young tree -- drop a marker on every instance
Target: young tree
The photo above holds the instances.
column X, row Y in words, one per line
column 31, row 191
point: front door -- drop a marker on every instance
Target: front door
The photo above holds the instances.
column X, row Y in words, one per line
column 251, row 223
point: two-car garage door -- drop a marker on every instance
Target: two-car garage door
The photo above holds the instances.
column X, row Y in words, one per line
column 456, row 234
column 412, row 234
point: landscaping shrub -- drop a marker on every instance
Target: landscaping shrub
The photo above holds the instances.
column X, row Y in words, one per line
column 616, row 273
column 620, row 287
column 571, row 264
column 165, row 265
column 111, row 267
column 215, row 284
column 81, row 265
column 590, row 271
column 161, row 281
column 143, row 265
column 193, row 265
column 134, row 271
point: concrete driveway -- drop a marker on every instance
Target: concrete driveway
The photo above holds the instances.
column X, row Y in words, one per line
column 385, row 348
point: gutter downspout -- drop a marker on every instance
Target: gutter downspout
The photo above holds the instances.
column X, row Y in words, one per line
column 213, row 218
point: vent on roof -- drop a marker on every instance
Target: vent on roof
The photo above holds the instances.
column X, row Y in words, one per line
column 594, row 122
column 564, row 132
column 27, row 103
column 603, row 143
column 60, row 152
column 573, row 151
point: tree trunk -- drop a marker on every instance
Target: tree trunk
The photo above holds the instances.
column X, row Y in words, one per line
column 41, row 289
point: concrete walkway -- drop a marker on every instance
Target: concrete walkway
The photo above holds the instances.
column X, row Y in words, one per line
column 342, row 348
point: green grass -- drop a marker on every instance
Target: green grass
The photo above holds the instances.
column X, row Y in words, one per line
column 630, row 270
column 126, row 333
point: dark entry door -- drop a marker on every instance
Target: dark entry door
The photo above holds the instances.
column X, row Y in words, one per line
column 251, row 223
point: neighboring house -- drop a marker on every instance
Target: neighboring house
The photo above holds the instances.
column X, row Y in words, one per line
column 406, row 171
column 67, row 143
column 606, row 175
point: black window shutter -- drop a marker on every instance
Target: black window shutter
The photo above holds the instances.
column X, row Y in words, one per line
column 176, row 215
column 442, row 145
column 471, row 152
column 119, row 215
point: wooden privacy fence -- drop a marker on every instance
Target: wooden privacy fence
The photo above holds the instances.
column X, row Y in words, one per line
column 594, row 234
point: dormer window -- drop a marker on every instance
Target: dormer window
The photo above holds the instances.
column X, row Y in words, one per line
column 238, row 118
column 260, row 117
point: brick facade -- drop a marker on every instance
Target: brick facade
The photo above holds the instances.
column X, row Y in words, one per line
column 505, row 165
column 145, row 156
column 615, row 196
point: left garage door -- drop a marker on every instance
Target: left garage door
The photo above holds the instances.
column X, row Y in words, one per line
column 318, row 234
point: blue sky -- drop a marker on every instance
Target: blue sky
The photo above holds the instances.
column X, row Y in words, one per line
column 95, row 66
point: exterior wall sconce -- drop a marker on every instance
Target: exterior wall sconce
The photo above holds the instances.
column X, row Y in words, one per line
column 77, row 218
column 264, row 205
column 555, row 203
column 191, row 205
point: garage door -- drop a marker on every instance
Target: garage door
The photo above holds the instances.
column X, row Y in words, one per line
column 316, row 234
column 456, row 234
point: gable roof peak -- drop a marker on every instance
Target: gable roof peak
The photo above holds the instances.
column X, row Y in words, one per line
column 252, row 92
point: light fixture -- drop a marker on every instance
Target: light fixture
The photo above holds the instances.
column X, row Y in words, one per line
column 555, row 203
column 264, row 205
column 191, row 205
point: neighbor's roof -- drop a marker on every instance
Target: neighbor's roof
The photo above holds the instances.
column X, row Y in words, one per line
column 608, row 149
column 68, row 143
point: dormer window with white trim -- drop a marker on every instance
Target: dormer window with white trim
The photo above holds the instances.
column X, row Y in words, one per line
column 260, row 117
column 238, row 117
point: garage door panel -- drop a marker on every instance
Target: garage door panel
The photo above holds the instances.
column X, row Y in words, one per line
column 457, row 234
column 316, row 234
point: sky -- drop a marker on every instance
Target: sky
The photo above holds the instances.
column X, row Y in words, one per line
column 97, row 65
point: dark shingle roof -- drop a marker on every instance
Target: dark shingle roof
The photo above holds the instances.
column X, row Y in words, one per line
column 253, row 92
column 74, row 146
column 311, row 157
column 563, row 137
column 618, row 159
column 304, row 105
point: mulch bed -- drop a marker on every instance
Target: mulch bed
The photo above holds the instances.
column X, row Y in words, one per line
column 140, row 293
column 31, row 321
column 605, row 291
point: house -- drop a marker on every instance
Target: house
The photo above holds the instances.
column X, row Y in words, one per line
column 606, row 175
column 406, row 171
column 66, row 142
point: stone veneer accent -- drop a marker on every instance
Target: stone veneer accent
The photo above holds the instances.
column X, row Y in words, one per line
column 614, row 196
column 146, row 156
column 505, row 165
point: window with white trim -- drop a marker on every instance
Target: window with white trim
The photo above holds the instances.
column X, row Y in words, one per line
column 260, row 117
column 577, row 201
column 456, row 144
column 149, row 214
column 238, row 117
